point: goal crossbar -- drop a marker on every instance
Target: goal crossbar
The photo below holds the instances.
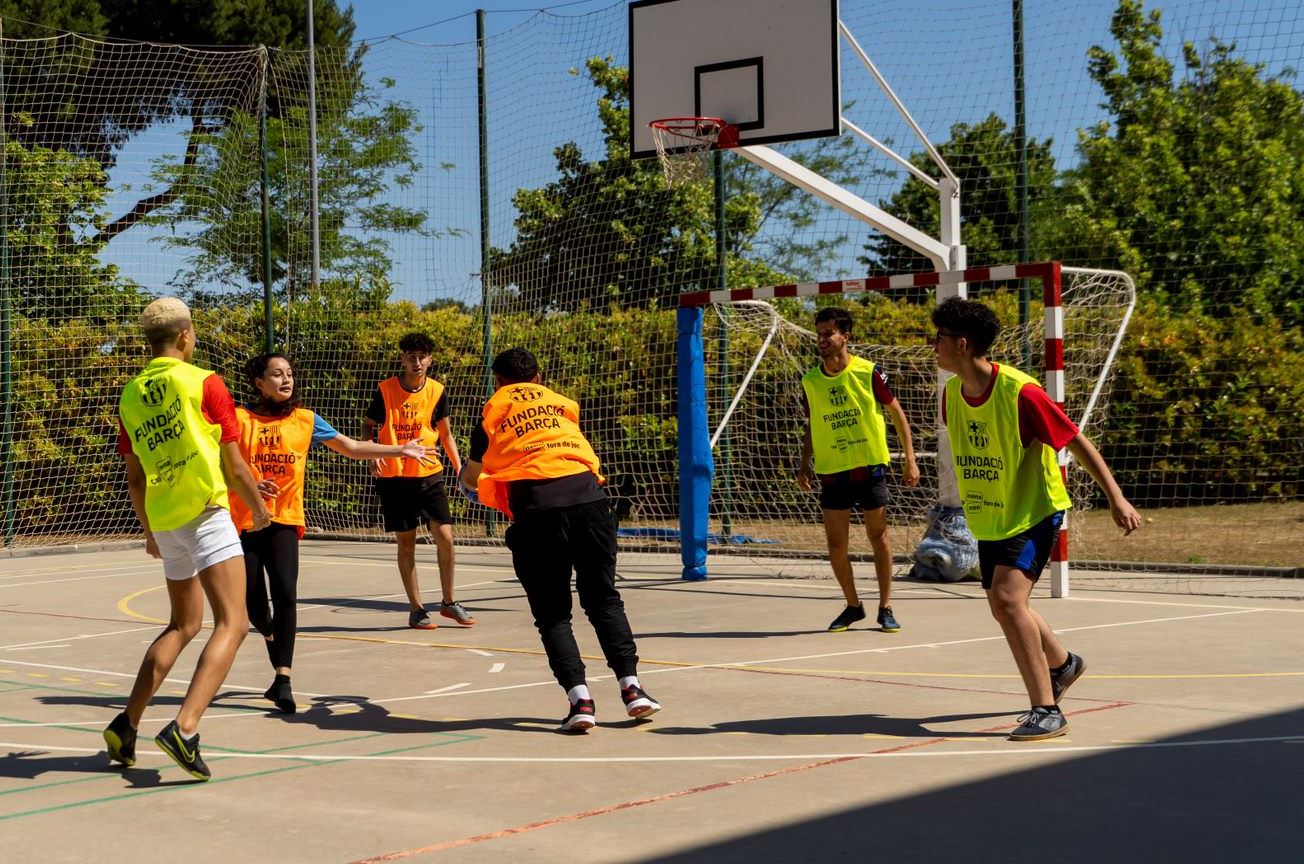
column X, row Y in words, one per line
column 1050, row 274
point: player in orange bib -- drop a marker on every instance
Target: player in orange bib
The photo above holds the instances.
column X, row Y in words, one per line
column 413, row 405
column 530, row 461
column 275, row 436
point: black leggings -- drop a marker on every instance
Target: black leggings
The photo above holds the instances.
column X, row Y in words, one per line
column 274, row 550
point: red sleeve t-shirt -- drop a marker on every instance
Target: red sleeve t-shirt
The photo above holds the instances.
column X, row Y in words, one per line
column 1040, row 418
column 218, row 408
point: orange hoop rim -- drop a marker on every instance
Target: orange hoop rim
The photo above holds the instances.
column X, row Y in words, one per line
column 712, row 131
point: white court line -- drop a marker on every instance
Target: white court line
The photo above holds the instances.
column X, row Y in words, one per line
column 1186, row 605
column 480, row 652
column 352, row 562
column 497, row 667
column 56, row 581
column 34, row 647
column 18, row 645
column 1002, row 753
column 747, row 663
column 690, row 668
column 449, row 687
column 227, row 685
column 112, row 571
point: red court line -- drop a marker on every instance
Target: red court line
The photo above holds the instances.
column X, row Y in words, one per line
column 601, row 811
column 668, row 796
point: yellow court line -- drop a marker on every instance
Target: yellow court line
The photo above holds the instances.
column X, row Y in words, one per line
column 882, row 674
column 124, row 606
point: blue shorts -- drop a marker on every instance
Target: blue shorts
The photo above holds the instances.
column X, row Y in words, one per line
column 1027, row 551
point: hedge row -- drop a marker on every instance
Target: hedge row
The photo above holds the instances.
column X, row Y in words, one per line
column 1203, row 410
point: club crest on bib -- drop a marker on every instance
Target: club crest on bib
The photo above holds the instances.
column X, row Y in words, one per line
column 977, row 432
column 153, row 391
column 524, row 394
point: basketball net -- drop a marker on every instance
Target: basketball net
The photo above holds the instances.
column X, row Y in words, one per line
column 684, row 146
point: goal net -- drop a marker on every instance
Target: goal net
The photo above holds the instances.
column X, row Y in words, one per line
column 757, row 352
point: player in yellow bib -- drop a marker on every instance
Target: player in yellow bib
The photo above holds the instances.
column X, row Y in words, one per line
column 178, row 435
column 1004, row 432
column 412, row 405
column 275, row 437
column 847, row 437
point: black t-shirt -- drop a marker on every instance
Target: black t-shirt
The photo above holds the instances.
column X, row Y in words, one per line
column 524, row 496
column 376, row 410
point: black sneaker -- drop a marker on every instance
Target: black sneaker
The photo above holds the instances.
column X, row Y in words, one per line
column 637, row 702
column 583, row 716
column 849, row 616
column 1039, row 724
column 887, row 621
column 1061, row 682
column 419, row 619
column 280, row 693
column 120, row 738
column 184, row 751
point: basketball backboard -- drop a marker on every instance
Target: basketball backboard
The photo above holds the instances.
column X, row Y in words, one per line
column 769, row 67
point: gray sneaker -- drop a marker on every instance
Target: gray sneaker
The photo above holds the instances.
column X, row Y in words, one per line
column 1039, row 724
column 419, row 619
column 456, row 612
column 1061, row 682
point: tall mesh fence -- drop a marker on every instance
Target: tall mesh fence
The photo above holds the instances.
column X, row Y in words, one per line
column 135, row 170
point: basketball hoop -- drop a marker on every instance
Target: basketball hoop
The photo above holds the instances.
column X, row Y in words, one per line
column 684, row 146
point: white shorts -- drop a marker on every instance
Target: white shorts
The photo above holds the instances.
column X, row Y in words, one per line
column 210, row 538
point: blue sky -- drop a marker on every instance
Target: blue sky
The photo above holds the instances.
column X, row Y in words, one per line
column 449, row 20
column 948, row 59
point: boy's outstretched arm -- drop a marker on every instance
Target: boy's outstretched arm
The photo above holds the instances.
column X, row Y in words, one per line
column 1125, row 515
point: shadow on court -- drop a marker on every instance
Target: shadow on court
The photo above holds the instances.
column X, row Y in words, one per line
column 847, row 724
column 356, row 714
column 31, row 764
column 1174, row 800
column 730, row 634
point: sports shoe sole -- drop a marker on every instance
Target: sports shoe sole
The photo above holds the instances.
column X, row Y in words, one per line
column 640, row 708
column 176, row 757
column 431, row 626
column 896, row 629
column 456, row 620
column 579, row 724
column 114, row 745
column 1042, row 737
column 1082, row 667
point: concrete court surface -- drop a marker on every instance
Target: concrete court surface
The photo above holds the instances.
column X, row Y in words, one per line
column 778, row 741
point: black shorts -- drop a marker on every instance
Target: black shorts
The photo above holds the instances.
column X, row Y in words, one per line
column 862, row 487
column 1028, row 551
column 407, row 502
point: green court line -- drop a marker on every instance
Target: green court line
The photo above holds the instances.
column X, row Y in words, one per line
column 308, row 762
column 74, row 804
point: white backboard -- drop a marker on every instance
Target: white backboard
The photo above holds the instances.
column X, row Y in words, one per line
column 770, row 67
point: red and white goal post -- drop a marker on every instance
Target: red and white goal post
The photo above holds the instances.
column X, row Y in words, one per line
column 1086, row 309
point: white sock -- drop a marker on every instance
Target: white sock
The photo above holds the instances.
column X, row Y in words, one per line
column 629, row 681
column 578, row 692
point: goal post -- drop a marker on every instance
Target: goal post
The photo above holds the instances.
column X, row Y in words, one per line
column 1084, row 316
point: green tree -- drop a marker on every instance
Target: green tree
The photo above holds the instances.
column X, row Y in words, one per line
column 53, row 193
column 982, row 155
column 1195, row 185
column 608, row 231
